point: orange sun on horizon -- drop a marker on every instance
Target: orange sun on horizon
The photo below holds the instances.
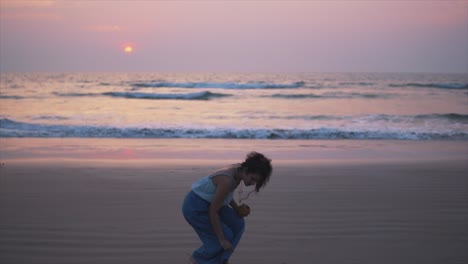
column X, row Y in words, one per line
column 128, row 49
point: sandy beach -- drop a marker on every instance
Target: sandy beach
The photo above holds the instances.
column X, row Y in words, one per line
column 335, row 211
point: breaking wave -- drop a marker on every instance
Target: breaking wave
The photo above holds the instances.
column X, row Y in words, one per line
column 17, row 97
column 221, row 85
column 11, row 128
column 460, row 86
column 336, row 95
column 205, row 95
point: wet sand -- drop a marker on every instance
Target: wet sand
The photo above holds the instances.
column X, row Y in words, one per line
column 358, row 211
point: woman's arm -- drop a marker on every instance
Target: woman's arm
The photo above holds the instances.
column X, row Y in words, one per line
column 234, row 205
column 223, row 187
column 242, row 210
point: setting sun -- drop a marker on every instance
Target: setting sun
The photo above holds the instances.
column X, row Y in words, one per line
column 128, row 49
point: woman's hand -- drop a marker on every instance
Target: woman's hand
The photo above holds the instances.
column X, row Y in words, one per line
column 243, row 210
column 226, row 244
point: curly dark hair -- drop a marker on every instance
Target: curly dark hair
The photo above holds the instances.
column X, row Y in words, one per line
column 259, row 164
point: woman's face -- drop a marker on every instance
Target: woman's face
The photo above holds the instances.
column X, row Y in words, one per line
column 251, row 179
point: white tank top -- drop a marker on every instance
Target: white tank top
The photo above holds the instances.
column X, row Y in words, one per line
column 205, row 188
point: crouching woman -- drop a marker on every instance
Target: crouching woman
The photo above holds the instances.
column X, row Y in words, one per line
column 216, row 218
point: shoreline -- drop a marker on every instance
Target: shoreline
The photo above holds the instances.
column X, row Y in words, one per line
column 162, row 150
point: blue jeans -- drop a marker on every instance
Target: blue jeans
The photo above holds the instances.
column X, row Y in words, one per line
column 196, row 212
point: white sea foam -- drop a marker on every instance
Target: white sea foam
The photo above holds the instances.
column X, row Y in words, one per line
column 460, row 86
column 11, row 128
column 205, row 95
column 221, row 85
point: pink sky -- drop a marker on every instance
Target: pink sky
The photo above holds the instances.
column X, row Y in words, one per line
column 241, row 36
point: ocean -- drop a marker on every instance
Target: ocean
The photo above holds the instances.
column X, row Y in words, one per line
column 306, row 106
column 95, row 166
